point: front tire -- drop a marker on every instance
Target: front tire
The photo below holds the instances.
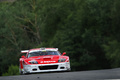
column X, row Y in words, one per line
column 21, row 71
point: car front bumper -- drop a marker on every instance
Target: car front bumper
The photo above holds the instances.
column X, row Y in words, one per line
column 46, row 67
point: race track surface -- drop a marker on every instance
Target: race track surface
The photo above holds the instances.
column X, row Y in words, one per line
column 109, row 74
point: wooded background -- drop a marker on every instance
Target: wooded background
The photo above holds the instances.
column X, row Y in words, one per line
column 87, row 30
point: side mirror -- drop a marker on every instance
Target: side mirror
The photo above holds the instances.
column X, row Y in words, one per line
column 23, row 56
column 63, row 53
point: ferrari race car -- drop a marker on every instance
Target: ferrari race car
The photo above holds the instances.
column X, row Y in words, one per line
column 43, row 60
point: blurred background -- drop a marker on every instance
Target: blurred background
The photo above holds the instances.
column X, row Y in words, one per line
column 87, row 30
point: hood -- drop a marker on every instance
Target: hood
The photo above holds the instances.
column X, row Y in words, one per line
column 44, row 59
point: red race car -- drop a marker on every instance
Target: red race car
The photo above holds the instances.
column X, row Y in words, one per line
column 43, row 60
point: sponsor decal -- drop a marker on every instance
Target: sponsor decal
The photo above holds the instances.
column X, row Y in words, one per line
column 47, row 57
column 41, row 62
column 47, row 61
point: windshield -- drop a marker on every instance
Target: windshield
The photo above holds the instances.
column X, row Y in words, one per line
column 42, row 53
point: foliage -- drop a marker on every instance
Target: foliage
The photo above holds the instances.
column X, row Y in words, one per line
column 13, row 70
column 113, row 52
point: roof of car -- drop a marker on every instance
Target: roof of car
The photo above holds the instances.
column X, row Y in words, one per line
column 44, row 49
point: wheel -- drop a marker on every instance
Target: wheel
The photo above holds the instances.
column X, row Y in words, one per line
column 21, row 71
column 69, row 70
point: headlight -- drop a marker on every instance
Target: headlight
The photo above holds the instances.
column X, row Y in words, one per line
column 33, row 62
column 62, row 60
column 25, row 63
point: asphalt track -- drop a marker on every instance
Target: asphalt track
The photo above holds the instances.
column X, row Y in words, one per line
column 109, row 74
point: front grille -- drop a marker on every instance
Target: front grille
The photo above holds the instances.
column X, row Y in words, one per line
column 48, row 67
column 62, row 67
column 34, row 69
